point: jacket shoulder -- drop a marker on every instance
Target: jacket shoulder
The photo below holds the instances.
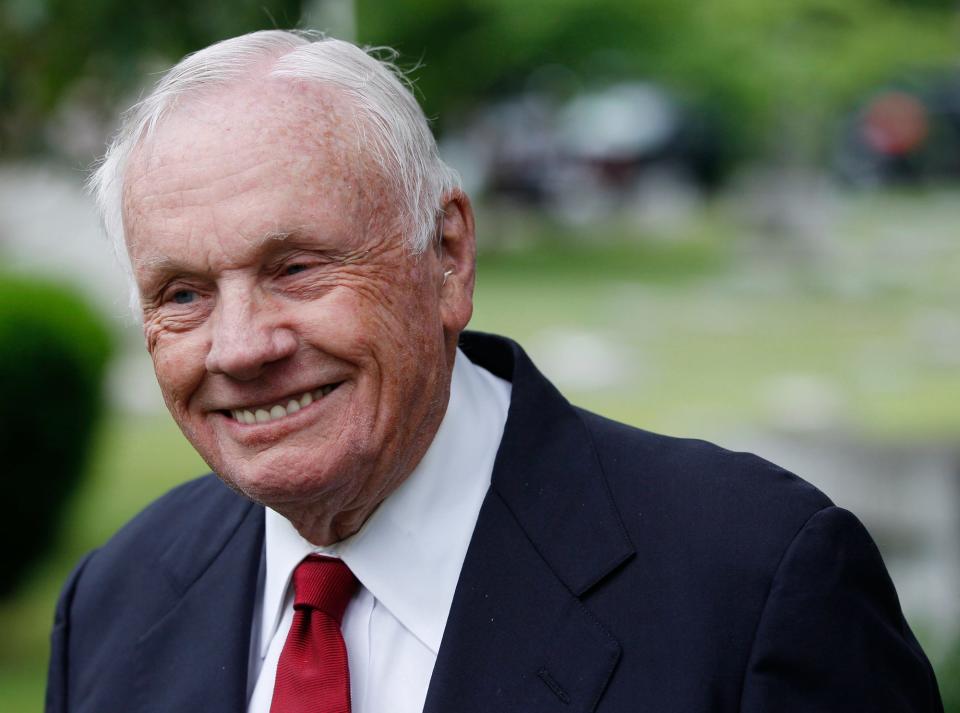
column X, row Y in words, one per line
column 154, row 529
column 749, row 578
column 146, row 555
column 701, row 493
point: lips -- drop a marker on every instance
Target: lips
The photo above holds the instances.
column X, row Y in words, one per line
column 265, row 413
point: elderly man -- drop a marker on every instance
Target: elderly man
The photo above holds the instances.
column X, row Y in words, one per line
column 406, row 517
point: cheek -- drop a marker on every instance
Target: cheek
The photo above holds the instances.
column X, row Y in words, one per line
column 178, row 361
column 355, row 323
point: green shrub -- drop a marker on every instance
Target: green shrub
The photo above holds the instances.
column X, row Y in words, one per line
column 53, row 354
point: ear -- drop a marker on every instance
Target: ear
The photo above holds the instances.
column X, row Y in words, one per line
column 457, row 252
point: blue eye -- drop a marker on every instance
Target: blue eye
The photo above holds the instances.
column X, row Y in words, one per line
column 183, row 297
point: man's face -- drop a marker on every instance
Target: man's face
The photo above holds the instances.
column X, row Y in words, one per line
column 302, row 349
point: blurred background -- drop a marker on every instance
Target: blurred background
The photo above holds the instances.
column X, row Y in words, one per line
column 734, row 219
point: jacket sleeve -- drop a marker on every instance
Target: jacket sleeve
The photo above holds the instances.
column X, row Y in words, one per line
column 832, row 637
column 56, row 700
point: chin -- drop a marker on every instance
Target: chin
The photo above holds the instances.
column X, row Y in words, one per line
column 284, row 482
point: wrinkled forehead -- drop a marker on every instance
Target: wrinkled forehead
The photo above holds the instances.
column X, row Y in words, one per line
column 311, row 132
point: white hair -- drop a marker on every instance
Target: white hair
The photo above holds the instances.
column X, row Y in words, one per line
column 399, row 138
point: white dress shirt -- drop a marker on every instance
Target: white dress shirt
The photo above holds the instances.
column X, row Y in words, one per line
column 407, row 556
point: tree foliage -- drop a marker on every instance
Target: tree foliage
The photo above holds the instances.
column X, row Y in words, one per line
column 101, row 50
column 764, row 66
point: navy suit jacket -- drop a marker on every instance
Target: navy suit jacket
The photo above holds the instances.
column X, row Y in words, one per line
column 610, row 570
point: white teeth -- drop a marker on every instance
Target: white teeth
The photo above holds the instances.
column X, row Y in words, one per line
column 265, row 415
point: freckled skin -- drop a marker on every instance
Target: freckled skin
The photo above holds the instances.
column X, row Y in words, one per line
column 271, row 260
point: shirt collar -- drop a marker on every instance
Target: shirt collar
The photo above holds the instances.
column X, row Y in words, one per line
column 410, row 551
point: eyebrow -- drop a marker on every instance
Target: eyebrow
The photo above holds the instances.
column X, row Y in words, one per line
column 279, row 236
column 159, row 263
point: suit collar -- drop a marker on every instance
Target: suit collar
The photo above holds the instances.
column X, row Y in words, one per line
column 520, row 636
column 572, row 521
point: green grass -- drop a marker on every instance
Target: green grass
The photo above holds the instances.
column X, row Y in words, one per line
column 707, row 328
column 885, row 385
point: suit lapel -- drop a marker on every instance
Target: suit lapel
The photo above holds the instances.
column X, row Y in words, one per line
column 196, row 655
column 519, row 637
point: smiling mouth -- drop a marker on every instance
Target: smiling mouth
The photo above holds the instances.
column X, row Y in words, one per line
column 272, row 412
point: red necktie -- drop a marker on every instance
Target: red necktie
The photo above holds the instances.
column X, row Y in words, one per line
column 312, row 674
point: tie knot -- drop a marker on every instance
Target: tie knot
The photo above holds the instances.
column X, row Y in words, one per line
column 323, row 583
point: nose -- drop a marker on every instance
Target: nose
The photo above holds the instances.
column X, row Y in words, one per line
column 247, row 336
